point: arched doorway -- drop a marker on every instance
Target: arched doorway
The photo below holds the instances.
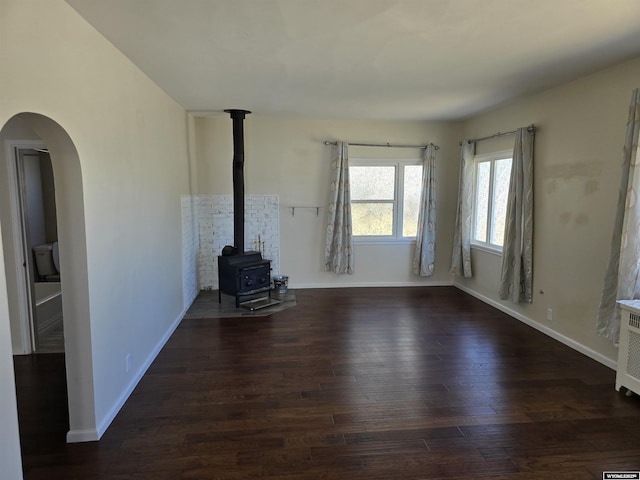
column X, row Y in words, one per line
column 73, row 267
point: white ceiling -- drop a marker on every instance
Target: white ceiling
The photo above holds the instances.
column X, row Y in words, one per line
column 364, row 59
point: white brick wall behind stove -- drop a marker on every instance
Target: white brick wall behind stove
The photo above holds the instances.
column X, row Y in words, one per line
column 189, row 250
column 214, row 215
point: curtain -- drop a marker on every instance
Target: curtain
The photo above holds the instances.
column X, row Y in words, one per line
column 621, row 280
column 516, row 278
column 424, row 257
column 339, row 245
column 461, row 258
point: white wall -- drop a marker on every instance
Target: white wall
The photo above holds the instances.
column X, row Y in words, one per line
column 132, row 166
column 578, row 152
column 287, row 157
column 10, row 438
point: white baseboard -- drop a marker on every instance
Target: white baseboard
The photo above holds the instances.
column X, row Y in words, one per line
column 606, row 361
column 439, row 283
column 79, row 436
column 94, row 435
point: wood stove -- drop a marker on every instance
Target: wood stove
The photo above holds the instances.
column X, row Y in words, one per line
column 245, row 275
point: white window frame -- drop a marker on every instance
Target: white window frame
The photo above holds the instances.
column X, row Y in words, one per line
column 492, row 158
column 399, row 164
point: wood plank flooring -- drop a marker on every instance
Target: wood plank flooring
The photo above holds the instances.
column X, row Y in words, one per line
column 380, row 383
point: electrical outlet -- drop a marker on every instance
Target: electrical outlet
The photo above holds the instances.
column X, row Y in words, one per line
column 550, row 314
column 128, row 359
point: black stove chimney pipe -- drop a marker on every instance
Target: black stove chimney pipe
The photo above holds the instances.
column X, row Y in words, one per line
column 238, row 177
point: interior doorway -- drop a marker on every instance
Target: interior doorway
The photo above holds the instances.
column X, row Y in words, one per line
column 36, row 205
column 43, row 133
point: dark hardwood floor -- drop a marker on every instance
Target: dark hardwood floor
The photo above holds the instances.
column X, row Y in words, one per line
column 384, row 383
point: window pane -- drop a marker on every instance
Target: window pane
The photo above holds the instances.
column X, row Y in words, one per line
column 482, row 201
column 501, row 178
column 411, row 205
column 372, row 183
column 372, row 218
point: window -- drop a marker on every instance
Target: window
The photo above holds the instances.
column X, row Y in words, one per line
column 385, row 198
column 492, row 177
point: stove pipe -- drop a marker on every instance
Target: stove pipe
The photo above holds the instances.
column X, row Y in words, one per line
column 238, row 178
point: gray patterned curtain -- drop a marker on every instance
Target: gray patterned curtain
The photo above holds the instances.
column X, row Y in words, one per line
column 622, row 280
column 339, row 244
column 516, row 279
column 461, row 258
column 424, row 257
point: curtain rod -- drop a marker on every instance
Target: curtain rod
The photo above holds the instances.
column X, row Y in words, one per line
column 391, row 145
column 530, row 128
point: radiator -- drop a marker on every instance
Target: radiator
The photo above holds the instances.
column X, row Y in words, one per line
column 628, row 371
